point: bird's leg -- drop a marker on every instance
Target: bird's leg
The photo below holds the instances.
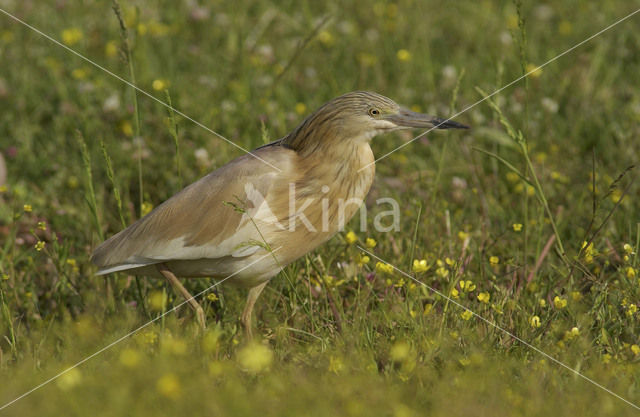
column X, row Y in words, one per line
column 254, row 293
column 164, row 270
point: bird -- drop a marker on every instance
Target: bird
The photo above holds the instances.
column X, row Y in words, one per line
column 237, row 222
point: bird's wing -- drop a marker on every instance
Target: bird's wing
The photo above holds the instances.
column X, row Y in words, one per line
column 196, row 223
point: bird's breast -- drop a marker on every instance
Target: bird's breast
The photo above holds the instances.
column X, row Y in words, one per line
column 334, row 188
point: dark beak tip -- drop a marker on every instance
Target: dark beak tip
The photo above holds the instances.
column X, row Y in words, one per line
column 448, row 124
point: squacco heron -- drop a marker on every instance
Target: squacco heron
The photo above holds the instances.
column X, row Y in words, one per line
column 195, row 234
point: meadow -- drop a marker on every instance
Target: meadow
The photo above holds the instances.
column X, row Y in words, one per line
column 529, row 219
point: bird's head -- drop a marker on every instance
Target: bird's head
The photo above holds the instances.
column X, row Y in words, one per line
column 359, row 116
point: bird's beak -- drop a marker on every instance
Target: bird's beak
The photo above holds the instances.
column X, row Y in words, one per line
column 408, row 118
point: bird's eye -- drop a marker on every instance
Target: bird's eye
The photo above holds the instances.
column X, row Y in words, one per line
column 373, row 112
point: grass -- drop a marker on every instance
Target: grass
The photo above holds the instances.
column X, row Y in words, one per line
column 530, row 219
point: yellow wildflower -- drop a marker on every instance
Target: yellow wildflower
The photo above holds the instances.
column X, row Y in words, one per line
column 301, row 108
column 158, row 300
column 129, row 357
column 484, row 297
column 403, row 55
column 616, row 195
column 142, row 29
column 326, row 38
column 212, row 297
column 351, row 238
column 255, row 357
column 427, row 307
column 335, row 364
column 494, row 260
column 27, row 208
column 462, row 235
column 628, row 248
column 468, row 286
column 150, row 337
column 466, row 315
column 126, row 128
column 589, row 252
column 400, row 351
column 556, row 176
column 571, row 334
column 384, row 267
column 635, row 349
column 559, row 302
column 631, row 273
column 363, row 259
column 455, row 293
column 534, row 70
column 40, row 245
column 540, row 157
column 512, row 176
column 73, row 182
column 530, row 191
column 631, row 309
column 79, row 73
column 449, row 261
column 442, row 272
column 517, row 227
column 71, row 36
column 542, row 302
column 576, row 296
column 73, row 264
column 534, row 322
column 111, row 49
column 420, row 265
column 146, row 208
column 464, row 361
column 370, row 243
column 332, row 282
column 160, row 85
column 42, row 226
column 69, row 379
column 169, row 386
